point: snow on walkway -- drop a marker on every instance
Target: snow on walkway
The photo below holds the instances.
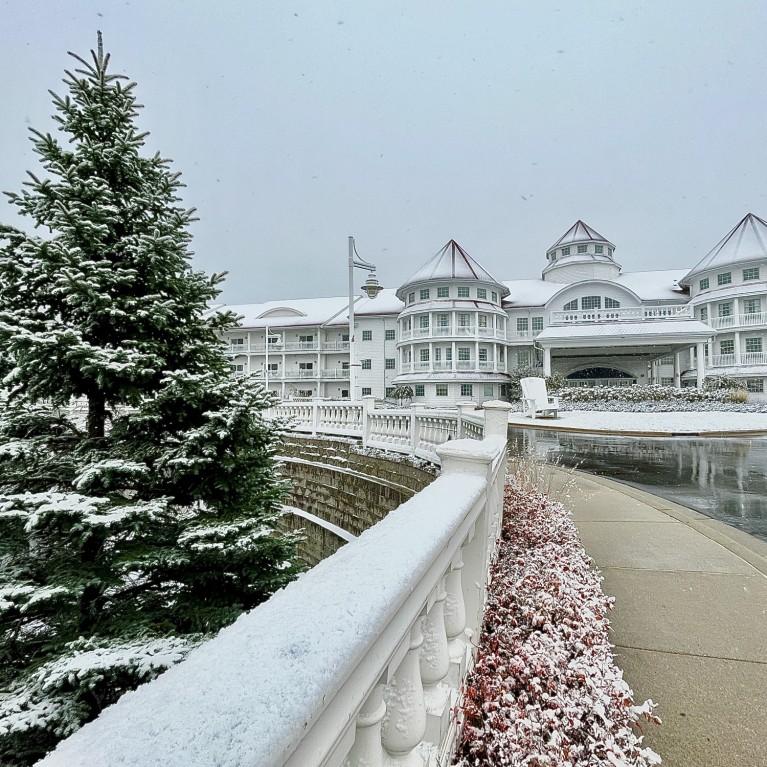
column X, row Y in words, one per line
column 692, row 422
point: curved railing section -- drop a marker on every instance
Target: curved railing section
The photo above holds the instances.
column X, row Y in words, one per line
column 358, row 662
column 416, row 430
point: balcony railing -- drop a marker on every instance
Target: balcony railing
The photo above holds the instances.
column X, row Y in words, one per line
column 301, row 373
column 335, row 346
column 722, row 322
column 301, row 346
column 722, row 360
column 754, row 358
column 342, row 373
column 755, row 318
column 633, row 314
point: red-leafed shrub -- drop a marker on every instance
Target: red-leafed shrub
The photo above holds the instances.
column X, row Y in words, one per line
column 545, row 689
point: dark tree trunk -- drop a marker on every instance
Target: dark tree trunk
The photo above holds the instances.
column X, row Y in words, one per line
column 97, row 415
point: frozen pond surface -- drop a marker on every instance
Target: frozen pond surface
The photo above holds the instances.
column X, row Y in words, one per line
column 724, row 478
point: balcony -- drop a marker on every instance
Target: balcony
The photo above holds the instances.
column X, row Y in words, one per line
column 301, row 346
column 486, row 332
column 335, row 346
column 464, row 330
column 755, row 318
column 342, row 373
column 300, row 373
column 753, row 358
column 722, row 322
column 722, row 360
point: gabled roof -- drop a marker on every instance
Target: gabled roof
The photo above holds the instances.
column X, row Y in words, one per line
column 579, row 232
column 452, row 262
column 747, row 241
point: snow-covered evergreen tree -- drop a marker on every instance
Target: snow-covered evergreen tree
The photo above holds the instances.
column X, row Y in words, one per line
column 123, row 544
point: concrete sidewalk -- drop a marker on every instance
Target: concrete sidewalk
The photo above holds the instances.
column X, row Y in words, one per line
column 690, row 623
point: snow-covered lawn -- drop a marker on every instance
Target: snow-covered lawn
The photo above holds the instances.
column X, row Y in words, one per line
column 690, row 422
column 545, row 691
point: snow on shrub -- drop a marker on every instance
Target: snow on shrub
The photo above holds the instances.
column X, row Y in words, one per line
column 649, row 393
column 545, row 689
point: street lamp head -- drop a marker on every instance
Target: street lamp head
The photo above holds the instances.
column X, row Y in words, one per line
column 371, row 286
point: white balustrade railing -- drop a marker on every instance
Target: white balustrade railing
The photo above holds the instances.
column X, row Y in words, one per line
column 753, row 358
column 722, row 322
column 416, row 430
column 755, row 318
column 722, row 360
column 664, row 312
column 360, row 661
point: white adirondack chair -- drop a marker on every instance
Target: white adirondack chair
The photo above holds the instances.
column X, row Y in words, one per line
column 536, row 400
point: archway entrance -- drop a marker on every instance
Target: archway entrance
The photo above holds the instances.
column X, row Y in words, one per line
column 601, row 376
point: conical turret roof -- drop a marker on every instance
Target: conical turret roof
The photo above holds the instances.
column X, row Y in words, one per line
column 580, row 232
column 452, row 262
column 747, row 241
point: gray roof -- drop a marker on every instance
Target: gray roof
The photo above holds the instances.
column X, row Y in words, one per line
column 580, row 232
column 452, row 262
column 747, row 241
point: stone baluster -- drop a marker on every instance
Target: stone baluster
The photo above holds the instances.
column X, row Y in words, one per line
column 435, row 664
column 455, row 623
column 367, row 750
column 404, row 723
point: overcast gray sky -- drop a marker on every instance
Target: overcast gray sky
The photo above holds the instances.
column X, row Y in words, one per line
column 408, row 123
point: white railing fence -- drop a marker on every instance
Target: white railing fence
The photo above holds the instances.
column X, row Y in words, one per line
column 358, row 663
column 416, row 430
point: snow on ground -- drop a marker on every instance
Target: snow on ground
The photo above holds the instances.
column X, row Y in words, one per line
column 690, row 422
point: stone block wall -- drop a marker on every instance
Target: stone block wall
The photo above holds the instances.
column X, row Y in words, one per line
column 353, row 490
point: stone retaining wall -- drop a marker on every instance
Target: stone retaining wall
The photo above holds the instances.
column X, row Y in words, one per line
column 350, row 489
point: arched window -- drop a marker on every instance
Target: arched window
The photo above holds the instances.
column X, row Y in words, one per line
column 571, row 306
column 591, row 302
column 611, row 303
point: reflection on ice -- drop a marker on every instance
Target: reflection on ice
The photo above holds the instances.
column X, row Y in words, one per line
column 723, row 478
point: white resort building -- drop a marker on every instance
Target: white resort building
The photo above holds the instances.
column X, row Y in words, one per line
column 454, row 332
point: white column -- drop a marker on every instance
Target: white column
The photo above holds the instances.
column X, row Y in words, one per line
column 404, row 723
column 455, row 355
column 677, row 370
column 736, row 310
column 434, row 665
column 546, row 361
column 701, row 367
column 476, row 355
column 737, row 347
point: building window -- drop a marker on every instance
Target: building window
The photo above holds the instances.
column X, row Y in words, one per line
column 483, row 355
column 727, row 347
column 423, row 321
column 390, row 335
column 610, row 252
column 611, row 303
column 537, row 324
column 591, row 302
column 565, row 251
column 571, row 306
column 238, row 341
column 448, row 354
column 411, row 298
column 582, row 248
column 424, row 294
column 522, row 325
column 494, row 297
column 481, row 293
column 443, row 320
column 272, row 367
column 344, row 366
column 751, row 274
column 345, row 337
column 667, row 381
column 464, row 320
column 703, row 313
column 305, row 392
column 238, row 368
column 752, row 306
column 668, row 360
column 500, row 353
column 488, row 390
column 753, row 344
column 725, row 278
column 755, row 385
column 443, row 292
column 467, row 390
column 438, row 354
column 390, row 363
column 599, row 249
column 389, row 391
column 704, row 283
column 424, row 355
column 367, row 335
column 273, row 339
column 306, row 366
column 419, row 390
column 524, row 357
column 309, row 339
column 367, row 391
column 463, row 292
column 724, row 310
column 367, row 364
column 482, row 320
column 441, row 390
column 464, row 353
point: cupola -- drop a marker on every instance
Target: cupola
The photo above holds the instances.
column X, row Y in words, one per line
column 581, row 253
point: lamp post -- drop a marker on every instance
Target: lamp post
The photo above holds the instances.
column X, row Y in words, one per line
column 372, row 289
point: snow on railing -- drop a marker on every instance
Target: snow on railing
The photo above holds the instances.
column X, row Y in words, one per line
column 416, row 430
column 358, row 662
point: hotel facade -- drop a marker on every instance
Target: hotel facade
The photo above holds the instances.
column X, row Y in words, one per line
column 454, row 332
